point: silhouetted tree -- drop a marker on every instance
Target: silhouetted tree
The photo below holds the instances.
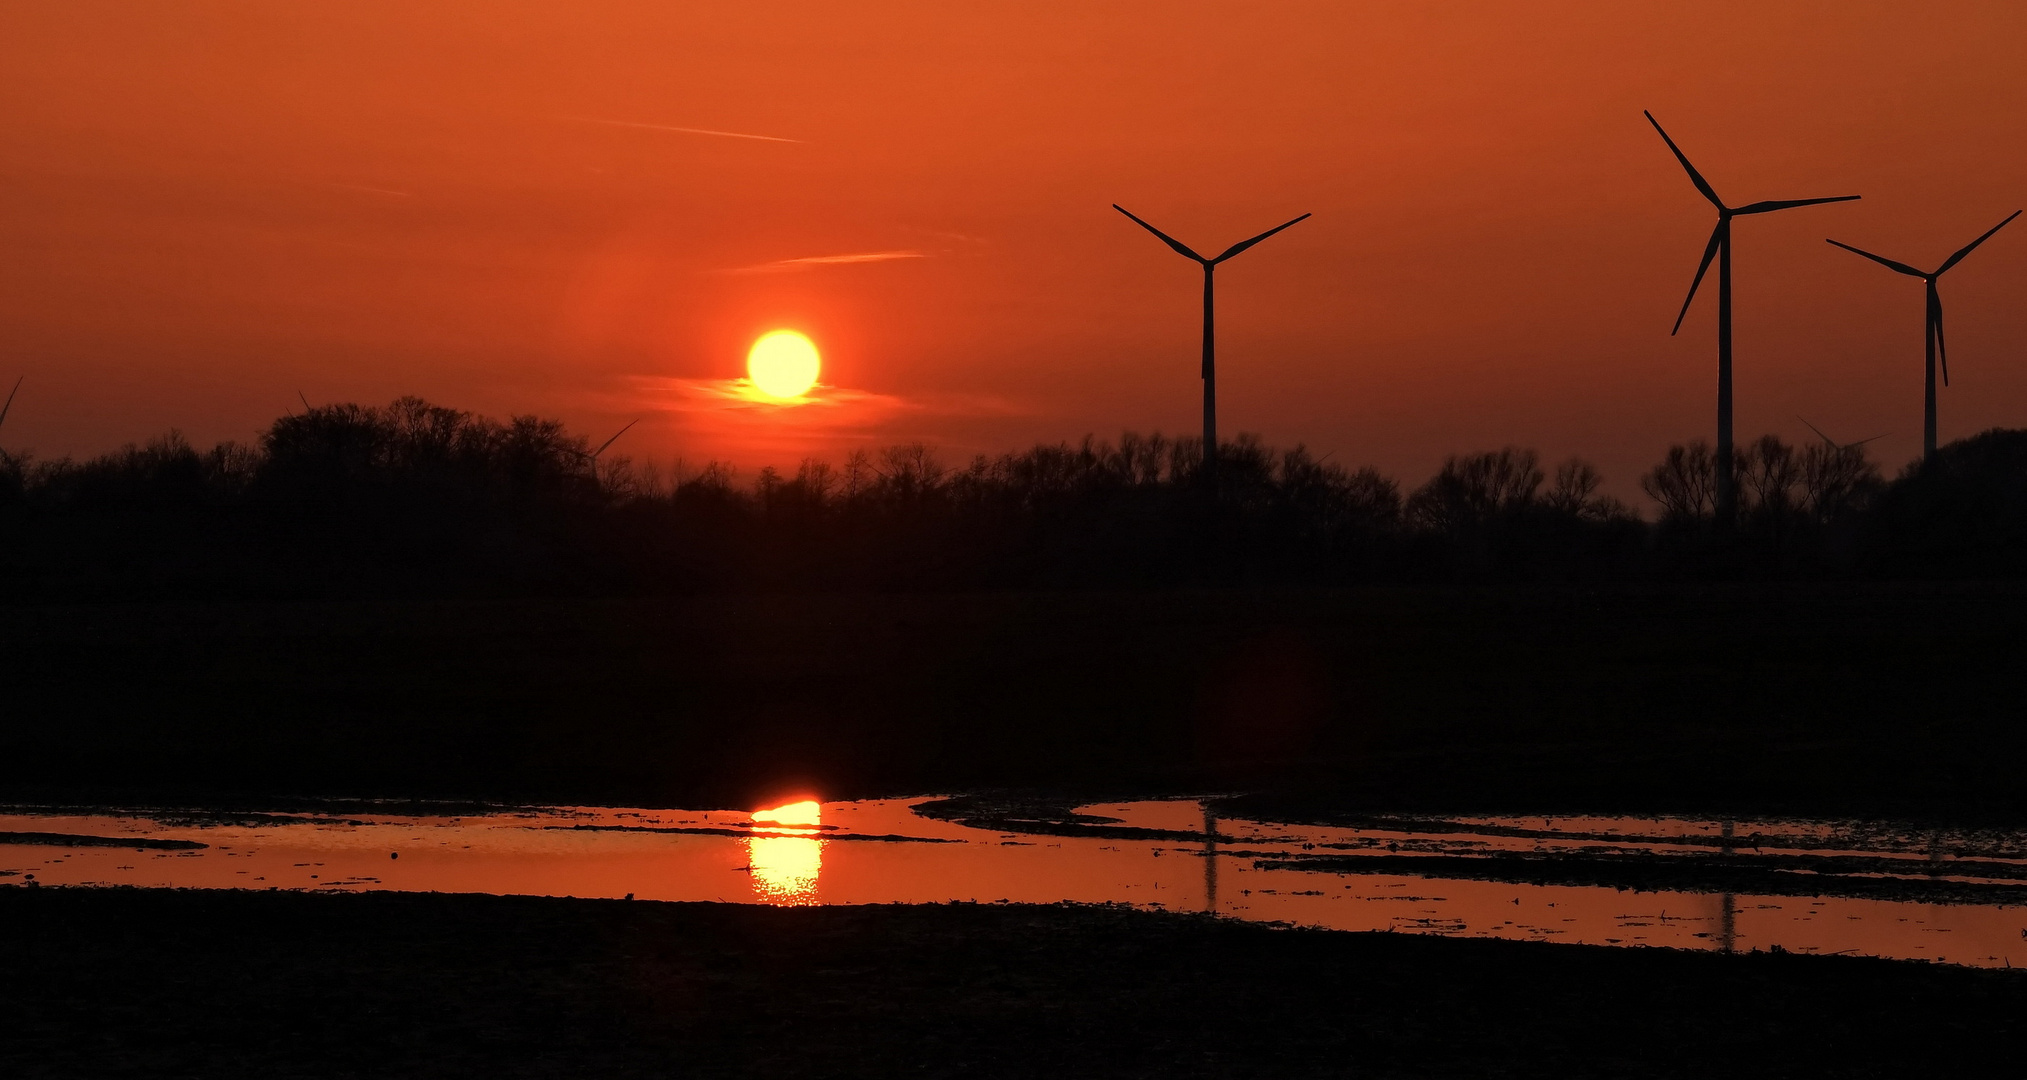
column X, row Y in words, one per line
column 1769, row 474
column 1575, row 494
column 1837, row 482
column 345, row 499
column 1685, row 483
column 1472, row 489
column 1961, row 512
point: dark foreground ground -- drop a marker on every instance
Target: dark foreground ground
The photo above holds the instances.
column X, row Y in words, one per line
column 1865, row 700
column 222, row 984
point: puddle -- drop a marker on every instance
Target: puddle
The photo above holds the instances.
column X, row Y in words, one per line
column 1959, row 898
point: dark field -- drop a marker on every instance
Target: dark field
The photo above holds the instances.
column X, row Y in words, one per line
column 129, row 983
column 1880, row 702
column 1876, row 701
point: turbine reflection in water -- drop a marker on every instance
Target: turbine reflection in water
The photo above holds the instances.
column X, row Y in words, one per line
column 785, row 854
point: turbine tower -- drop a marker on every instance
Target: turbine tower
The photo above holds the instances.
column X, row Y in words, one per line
column 1719, row 248
column 1210, row 371
column 1932, row 333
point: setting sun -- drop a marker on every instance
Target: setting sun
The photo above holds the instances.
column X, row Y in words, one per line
column 783, row 364
column 806, row 813
column 785, row 867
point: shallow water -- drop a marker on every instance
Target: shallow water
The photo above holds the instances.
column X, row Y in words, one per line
column 881, row 851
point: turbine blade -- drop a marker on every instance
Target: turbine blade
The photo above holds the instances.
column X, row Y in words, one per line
column 1935, row 307
column 1171, row 241
column 1881, row 260
column 1694, row 176
column 1832, row 443
column 1967, row 249
column 1771, row 205
column 1244, row 244
column 1709, row 253
column 1862, row 442
column 615, row 437
column 10, row 399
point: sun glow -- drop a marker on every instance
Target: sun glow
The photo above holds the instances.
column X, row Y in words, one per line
column 808, row 813
column 783, row 364
column 785, row 864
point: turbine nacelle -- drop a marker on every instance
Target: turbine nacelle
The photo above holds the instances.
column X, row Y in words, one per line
column 1834, row 444
column 1210, row 338
column 1720, row 237
column 1929, row 275
column 1934, row 329
column 1184, row 249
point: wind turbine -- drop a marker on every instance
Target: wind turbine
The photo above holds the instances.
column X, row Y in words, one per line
column 1210, row 371
column 1932, row 336
column 1719, row 248
column 624, row 430
column 1832, row 443
column 4, row 455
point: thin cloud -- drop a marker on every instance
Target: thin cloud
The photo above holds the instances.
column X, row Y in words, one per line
column 736, row 396
column 683, row 130
column 692, row 395
column 943, row 234
column 812, row 261
column 391, row 192
column 731, row 420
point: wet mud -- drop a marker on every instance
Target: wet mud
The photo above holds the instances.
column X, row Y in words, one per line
column 49, row 839
column 1776, row 876
column 1608, row 859
column 760, row 831
column 114, row 982
column 1047, row 815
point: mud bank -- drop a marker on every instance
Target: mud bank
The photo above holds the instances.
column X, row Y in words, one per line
column 50, row 839
column 225, row 984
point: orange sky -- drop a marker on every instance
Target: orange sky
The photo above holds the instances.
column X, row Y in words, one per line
column 206, row 207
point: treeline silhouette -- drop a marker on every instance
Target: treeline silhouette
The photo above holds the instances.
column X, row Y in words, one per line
column 417, row 499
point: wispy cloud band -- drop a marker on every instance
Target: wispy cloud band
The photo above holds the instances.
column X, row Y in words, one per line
column 812, row 261
column 687, row 395
column 683, row 130
column 740, row 396
column 390, row 192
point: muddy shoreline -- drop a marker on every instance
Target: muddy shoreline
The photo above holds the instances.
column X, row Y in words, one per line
column 1849, row 860
column 1604, row 862
column 139, row 843
column 230, row 984
column 1670, row 873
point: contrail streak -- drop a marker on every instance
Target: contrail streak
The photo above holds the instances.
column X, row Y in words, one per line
column 829, row 260
column 684, row 130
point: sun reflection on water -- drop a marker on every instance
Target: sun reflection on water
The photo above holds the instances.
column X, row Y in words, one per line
column 786, row 861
